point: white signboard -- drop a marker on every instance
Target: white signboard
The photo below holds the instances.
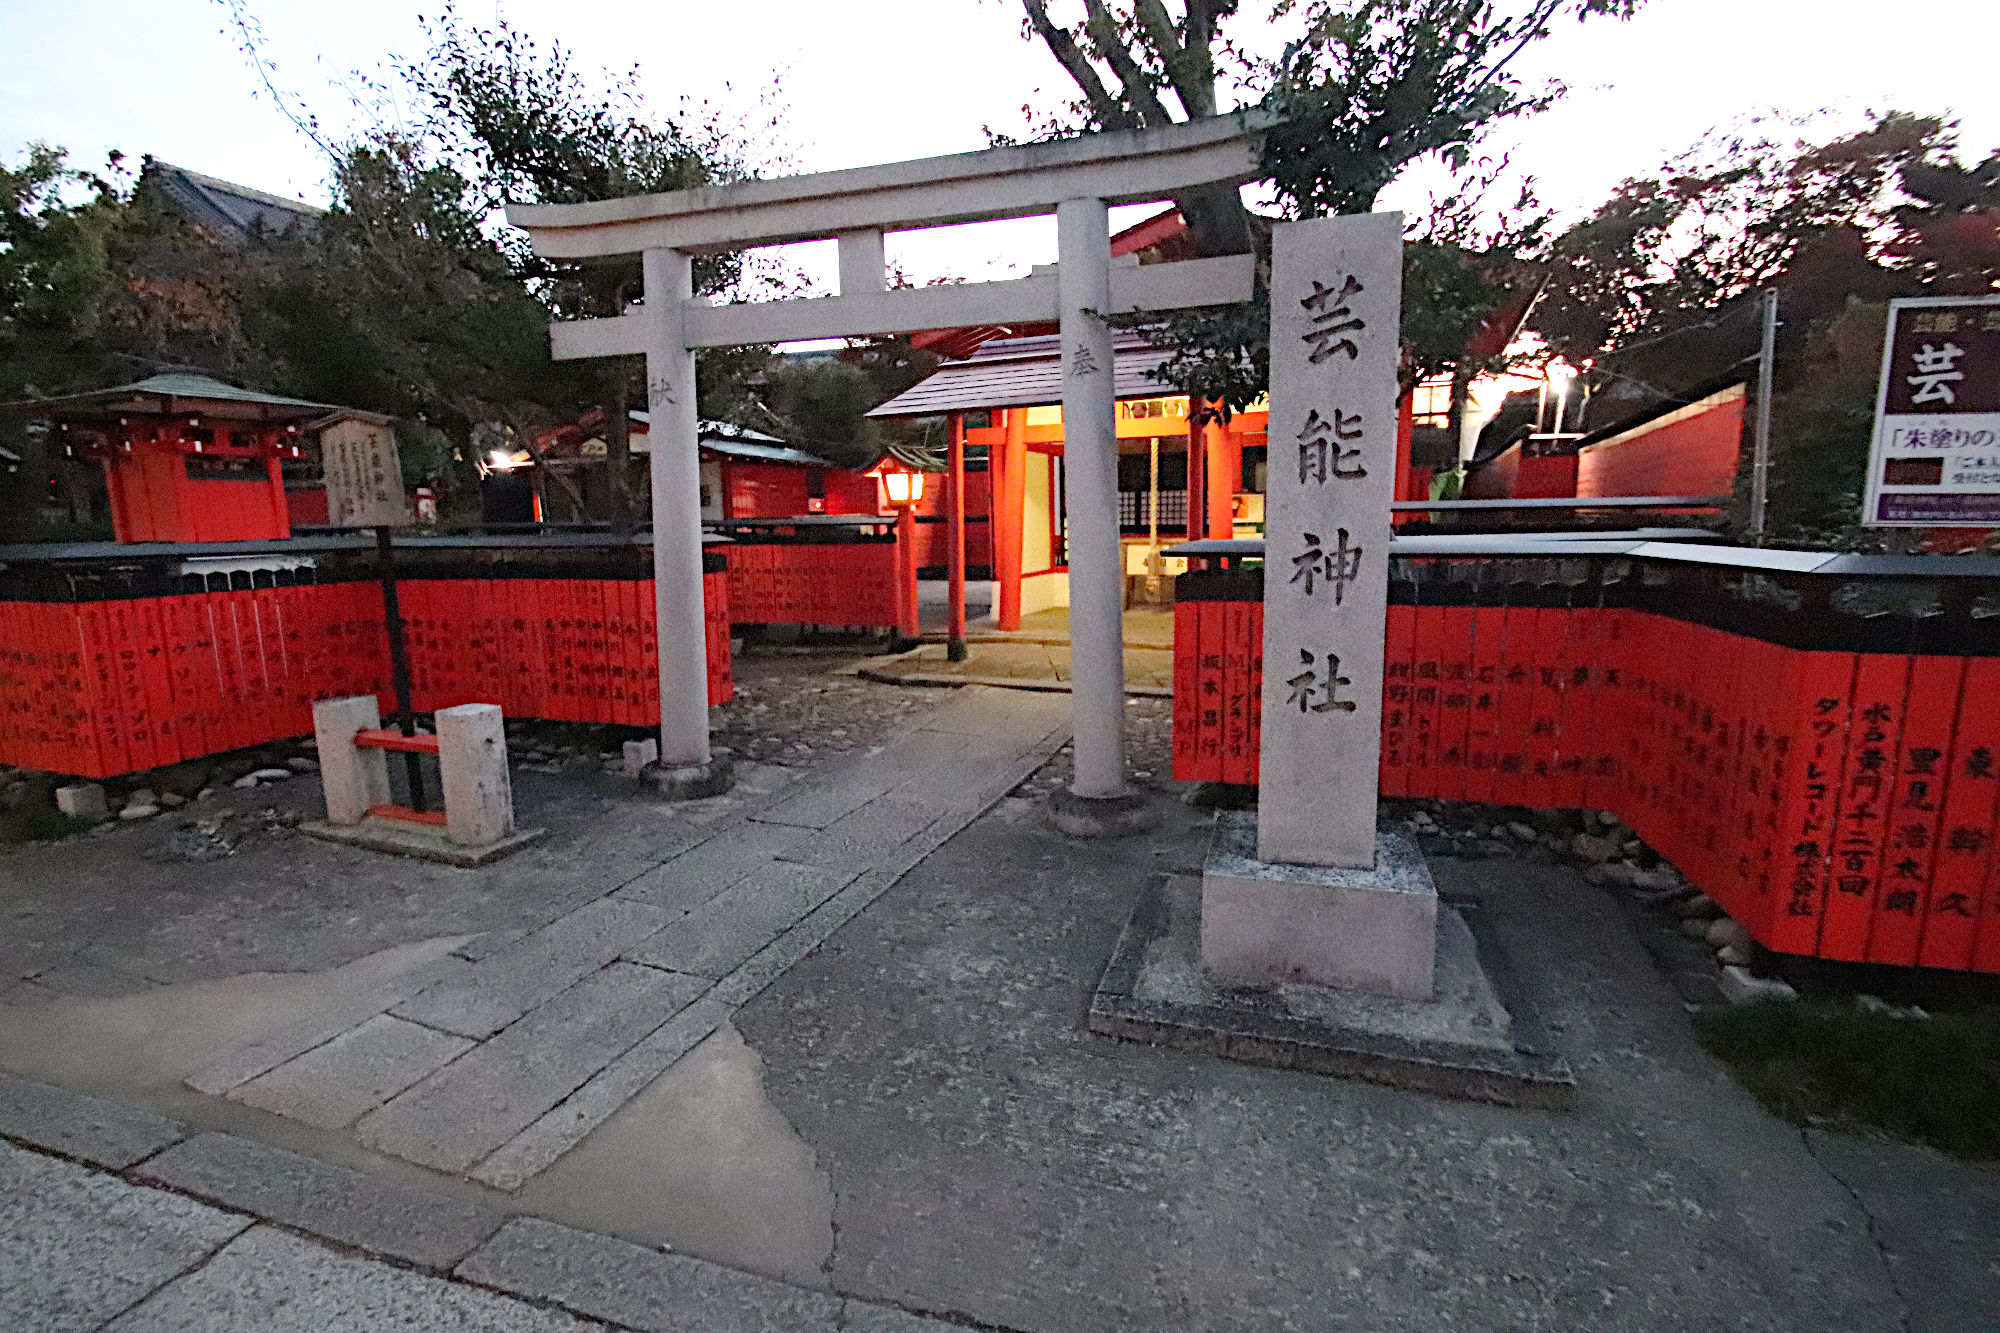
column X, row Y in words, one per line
column 1935, row 462
column 364, row 475
column 1336, row 305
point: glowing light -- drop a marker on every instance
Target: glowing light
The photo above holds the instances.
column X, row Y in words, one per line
column 900, row 486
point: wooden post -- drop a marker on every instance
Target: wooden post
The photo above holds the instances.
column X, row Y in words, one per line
column 906, row 572
column 1009, row 502
column 954, row 498
column 1223, row 468
column 1197, row 501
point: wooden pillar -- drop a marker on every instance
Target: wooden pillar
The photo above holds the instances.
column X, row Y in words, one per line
column 906, row 572
column 1224, row 469
column 1197, row 499
column 1009, row 500
column 954, row 498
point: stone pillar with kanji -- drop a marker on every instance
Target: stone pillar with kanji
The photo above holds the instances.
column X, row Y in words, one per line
column 1310, row 892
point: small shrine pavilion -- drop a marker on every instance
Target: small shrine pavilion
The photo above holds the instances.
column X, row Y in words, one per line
column 186, row 458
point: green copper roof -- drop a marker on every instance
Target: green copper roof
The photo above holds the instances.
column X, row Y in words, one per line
column 173, row 393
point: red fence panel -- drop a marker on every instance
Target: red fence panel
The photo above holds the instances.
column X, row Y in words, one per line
column 1836, row 802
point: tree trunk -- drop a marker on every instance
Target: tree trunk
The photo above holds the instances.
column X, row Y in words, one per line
column 618, row 442
column 1217, row 222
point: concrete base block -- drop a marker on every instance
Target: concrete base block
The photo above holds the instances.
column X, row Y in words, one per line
column 1100, row 816
column 1366, row 930
column 1478, row 1037
column 638, row 754
column 83, row 800
column 353, row 779
column 687, row 782
column 423, row 841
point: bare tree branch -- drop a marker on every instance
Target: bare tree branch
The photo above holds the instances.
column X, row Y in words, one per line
column 1184, row 55
column 1139, row 91
column 1110, row 112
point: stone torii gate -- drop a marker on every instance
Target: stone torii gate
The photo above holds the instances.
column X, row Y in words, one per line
column 1077, row 180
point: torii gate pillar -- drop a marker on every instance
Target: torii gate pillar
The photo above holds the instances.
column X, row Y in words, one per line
column 686, row 766
column 1090, row 467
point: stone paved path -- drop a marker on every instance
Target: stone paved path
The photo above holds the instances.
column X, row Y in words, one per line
column 115, row 1219
column 513, row 1053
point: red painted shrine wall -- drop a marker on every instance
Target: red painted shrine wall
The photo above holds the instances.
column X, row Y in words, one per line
column 933, row 534
column 154, row 499
column 784, row 490
column 812, row 583
column 1837, row 804
column 101, row 688
column 1512, row 475
column 1693, row 455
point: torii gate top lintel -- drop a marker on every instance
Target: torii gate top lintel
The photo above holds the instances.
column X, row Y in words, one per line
column 1130, row 166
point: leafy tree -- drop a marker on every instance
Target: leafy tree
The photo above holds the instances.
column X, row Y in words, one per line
column 1659, row 288
column 55, row 273
column 521, row 124
column 1365, row 88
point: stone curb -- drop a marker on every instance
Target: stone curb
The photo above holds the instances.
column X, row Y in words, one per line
column 929, row 680
column 592, row 1276
column 89, row 1129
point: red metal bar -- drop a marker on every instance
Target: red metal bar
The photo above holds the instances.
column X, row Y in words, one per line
column 383, row 738
column 434, row 818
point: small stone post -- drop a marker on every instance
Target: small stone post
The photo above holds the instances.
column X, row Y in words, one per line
column 472, row 770
column 354, row 779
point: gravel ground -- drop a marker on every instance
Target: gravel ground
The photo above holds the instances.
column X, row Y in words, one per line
column 1149, row 750
column 790, row 707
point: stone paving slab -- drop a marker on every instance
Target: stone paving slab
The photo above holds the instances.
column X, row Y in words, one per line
column 860, row 1317
column 473, row 1105
column 77, row 1247
column 1936, row 1222
column 486, row 945
column 247, row 1062
column 338, row 1083
column 718, row 922
column 81, row 979
column 571, row 1120
column 716, row 937
column 698, row 874
column 501, row 988
column 852, row 786
column 640, row 1288
column 269, row 1282
column 87, row 1128
column 859, row 840
column 335, row 1202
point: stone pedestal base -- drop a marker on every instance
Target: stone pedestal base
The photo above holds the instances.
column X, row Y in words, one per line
column 1364, row 930
column 1100, row 816
column 1476, row 1036
column 687, row 782
column 423, row 841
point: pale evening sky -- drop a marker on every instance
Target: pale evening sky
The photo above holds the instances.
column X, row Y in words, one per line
column 891, row 79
